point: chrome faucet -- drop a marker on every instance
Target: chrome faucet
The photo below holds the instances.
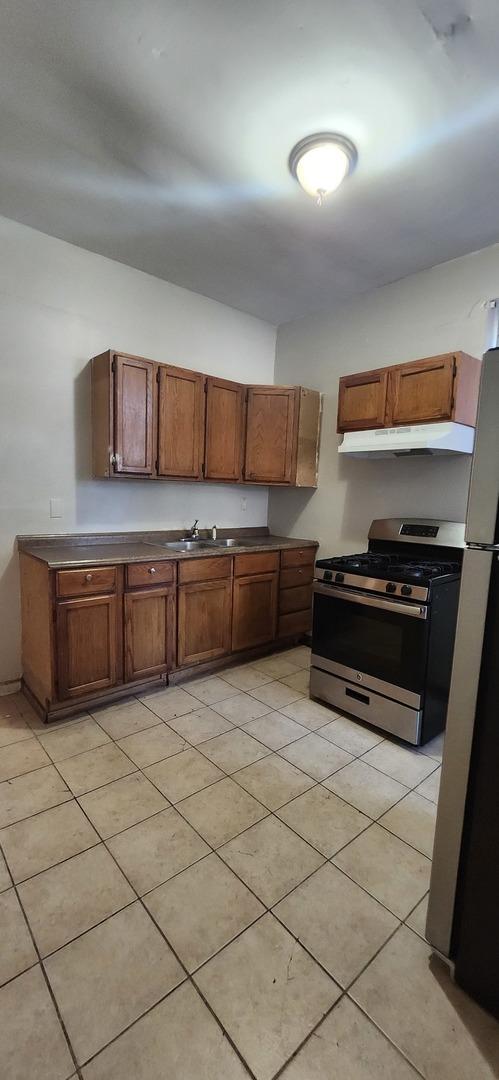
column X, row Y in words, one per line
column 194, row 531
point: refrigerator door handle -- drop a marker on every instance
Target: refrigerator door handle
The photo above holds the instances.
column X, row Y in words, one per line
column 475, row 582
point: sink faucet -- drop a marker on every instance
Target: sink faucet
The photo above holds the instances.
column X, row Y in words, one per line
column 194, row 531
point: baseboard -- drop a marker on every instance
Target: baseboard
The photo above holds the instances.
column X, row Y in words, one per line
column 10, row 687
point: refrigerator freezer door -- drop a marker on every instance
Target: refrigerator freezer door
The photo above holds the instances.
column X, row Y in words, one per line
column 484, row 486
column 475, row 940
column 473, row 599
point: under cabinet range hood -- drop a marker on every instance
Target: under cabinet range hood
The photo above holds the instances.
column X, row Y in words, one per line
column 416, row 440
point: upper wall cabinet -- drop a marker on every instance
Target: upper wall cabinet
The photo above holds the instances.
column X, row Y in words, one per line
column 225, row 406
column 362, row 400
column 180, row 423
column 169, row 423
column 133, row 415
column 282, row 435
column 270, row 431
column 434, row 389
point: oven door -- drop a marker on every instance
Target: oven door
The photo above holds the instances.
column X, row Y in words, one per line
column 375, row 641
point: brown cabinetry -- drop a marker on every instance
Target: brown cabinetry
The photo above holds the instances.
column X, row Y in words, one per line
column 86, row 644
column 180, row 423
column 170, row 423
column 225, row 406
column 204, row 621
column 149, row 632
column 295, row 591
column 362, row 401
column 90, row 633
column 133, row 415
column 254, row 610
column 434, row 389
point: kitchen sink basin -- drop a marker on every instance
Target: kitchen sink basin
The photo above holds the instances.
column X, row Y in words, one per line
column 230, row 542
column 188, row 545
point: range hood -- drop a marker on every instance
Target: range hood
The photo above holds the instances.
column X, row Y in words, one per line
column 416, row 440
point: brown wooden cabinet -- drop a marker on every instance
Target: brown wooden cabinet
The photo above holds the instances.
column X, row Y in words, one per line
column 254, row 610
column 434, row 389
column 149, row 632
column 204, row 621
column 154, row 420
column 180, row 423
column 225, row 408
column 295, row 591
column 89, row 633
column 87, row 645
column 270, row 430
column 282, row 435
column 362, row 400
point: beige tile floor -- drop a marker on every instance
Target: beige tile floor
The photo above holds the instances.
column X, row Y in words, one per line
column 220, row 881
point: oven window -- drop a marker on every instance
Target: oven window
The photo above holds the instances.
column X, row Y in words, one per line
column 390, row 646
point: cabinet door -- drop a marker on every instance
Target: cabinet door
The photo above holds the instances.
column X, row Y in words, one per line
column 362, row 401
column 224, row 430
column 270, row 434
column 86, row 643
column 422, row 390
column 133, row 415
column 254, row 610
column 180, row 422
column 149, row 632
column 204, row 621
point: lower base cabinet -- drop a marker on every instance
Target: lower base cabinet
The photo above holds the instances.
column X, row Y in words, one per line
column 149, row 632
column 87, row 640
column 204, row 621
column 254, row 610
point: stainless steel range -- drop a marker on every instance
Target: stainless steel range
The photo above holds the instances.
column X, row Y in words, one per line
column 384, row 625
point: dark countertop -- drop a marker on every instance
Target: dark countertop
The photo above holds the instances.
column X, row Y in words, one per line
column 67, row 554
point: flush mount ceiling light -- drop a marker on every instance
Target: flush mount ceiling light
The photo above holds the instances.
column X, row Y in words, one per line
column 320, row 162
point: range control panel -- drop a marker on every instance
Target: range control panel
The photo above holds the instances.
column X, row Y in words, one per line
column 408, row 529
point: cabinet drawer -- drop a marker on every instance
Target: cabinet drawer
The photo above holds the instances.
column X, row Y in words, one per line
column 150, row 573
column 208, row 569
column 298, row 557
column 298, row 622
column 87, row 581
column 262, row 562
column 297, row 575
column 297, row 599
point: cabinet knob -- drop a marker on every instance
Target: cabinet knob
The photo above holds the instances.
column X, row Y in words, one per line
column 152, row 569
column 88, row 577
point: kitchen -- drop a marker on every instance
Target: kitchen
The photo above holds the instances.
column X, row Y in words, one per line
column 275, row 760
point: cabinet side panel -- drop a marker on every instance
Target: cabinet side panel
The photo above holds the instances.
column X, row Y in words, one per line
column 309, row 425
column 37, row 628
column 467, row 388
column 102, row 415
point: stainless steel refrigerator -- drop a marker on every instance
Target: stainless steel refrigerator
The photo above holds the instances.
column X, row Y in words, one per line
column 463, row 911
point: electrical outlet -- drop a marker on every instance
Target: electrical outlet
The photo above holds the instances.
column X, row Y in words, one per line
column 56, row 508
column 244, row 503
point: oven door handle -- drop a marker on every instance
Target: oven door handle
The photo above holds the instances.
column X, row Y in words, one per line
column 354, row 597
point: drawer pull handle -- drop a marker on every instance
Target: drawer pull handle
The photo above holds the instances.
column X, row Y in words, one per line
column 88, row 577
column 152, row 569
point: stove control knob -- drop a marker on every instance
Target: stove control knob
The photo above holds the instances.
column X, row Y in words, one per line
column 339, row 578
column 406, row 590
column 328, row 575
column 391, row 587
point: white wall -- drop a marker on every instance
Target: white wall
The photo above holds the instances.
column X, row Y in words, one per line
column 59, row 306
column 435, row 311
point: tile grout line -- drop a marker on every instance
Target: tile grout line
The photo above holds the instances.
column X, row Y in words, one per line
column 44, row 975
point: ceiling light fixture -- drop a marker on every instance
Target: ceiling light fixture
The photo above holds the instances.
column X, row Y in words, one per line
column 321, row 162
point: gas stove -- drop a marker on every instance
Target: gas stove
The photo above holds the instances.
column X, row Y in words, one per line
column 393, row 573
column 384, row 624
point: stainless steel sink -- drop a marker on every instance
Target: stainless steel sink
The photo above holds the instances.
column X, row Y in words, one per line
column 188, row 545
column 230, row 542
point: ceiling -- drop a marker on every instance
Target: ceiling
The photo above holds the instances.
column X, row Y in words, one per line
column 157, row 132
